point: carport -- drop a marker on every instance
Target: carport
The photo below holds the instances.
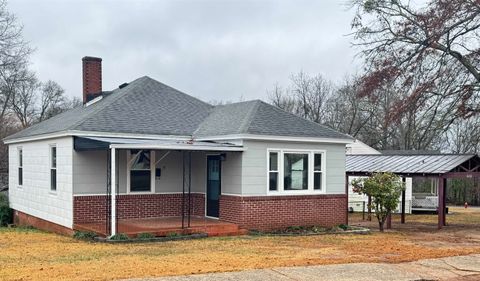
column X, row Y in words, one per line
column 439, row 166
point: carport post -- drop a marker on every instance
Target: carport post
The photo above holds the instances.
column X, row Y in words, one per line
column 403, row 200
column 441, row 202
column 444, row 211
column 113, row 193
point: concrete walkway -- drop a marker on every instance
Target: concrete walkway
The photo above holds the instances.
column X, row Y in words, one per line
column 460, row 268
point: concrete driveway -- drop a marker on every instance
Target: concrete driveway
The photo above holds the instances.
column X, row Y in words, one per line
column 461, row 268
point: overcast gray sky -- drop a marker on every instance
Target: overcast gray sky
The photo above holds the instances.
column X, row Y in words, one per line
column 214, row 50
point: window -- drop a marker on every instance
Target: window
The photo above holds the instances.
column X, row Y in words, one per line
column 20, row 166
column 317, row 171
column 295, row 176
column 53, row 168
column 140, row 171
column 273, row 171
column 296, row 171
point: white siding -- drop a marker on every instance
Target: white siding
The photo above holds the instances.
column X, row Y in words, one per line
column 90, row 172
column 358, row 147
column 35, row 197
column 232, row 174
column 254, row 165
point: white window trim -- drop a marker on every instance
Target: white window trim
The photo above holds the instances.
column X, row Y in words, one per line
column 273, row 171
column 321, row 172
column 280, row 185
column 152, row 173
column 20, row 149
column 50, row 146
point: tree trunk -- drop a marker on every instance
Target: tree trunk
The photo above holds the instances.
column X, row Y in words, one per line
column 380, row 225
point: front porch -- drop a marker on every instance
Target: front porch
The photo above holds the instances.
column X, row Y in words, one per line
column 165, row 226
column 159, row 187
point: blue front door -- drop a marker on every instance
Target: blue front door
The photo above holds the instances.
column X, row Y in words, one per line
column 213, row 185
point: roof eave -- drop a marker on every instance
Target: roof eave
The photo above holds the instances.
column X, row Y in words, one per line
column 71, row 133
column 276, row 138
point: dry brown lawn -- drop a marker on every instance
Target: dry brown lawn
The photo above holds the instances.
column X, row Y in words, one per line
column 35, row 255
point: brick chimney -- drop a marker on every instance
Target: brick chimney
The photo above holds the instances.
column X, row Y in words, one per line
column 92, row 78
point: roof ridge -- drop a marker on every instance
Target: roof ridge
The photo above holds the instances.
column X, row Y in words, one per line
column 250, row 115
column 245, row 121
column 177, row 90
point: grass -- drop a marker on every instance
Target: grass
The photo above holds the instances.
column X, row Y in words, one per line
column 36, row 255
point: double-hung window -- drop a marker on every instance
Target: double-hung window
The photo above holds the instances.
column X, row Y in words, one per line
column 273, row 171
column 20, row 166
column 295, row 167
column 140, row 171
column 296, row 171
column 53, row 168
column 317, row 171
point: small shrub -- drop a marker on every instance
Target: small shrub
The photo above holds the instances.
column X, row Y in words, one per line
column 294, row 228
column 6, row 214
column 343, row 226
column 318, row 229
column 120, row 236
column 145, row 235
column 256, row 232
column 85, row 235
column 173, row 234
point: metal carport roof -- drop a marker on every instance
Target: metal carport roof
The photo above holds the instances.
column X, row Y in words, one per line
column 427, row 164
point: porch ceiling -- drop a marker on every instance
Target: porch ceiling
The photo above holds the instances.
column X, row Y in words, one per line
column 104, row 143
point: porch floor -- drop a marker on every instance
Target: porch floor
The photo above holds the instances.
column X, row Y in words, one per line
column 165, row 225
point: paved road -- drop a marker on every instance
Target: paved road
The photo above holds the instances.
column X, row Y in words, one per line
column 460, row 268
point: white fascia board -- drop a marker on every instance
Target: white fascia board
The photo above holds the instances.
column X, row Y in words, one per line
column 94, row 134
column 175, row 147
column 275, row 138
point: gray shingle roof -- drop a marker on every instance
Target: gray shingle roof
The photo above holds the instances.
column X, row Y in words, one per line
column 260, row 118
column 147, row 106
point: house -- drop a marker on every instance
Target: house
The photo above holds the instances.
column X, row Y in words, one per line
column 148, row 154
column 358, row 202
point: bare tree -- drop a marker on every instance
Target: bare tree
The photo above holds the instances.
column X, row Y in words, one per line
column 419, row 47
column 281, row 99
column 14, row 56
column 52, row 100
column 23, row 100
column 306, row 96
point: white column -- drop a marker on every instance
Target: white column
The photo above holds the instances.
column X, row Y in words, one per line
column 113, row 194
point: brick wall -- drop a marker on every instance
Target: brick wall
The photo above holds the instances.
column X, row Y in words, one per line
column 134, row 206
column 271, row 212
column 23, row 219
column 256, row 212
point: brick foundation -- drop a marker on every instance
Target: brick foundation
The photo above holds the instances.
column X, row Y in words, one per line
column 272, row 212
column 23, row 219
column 134, row 206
